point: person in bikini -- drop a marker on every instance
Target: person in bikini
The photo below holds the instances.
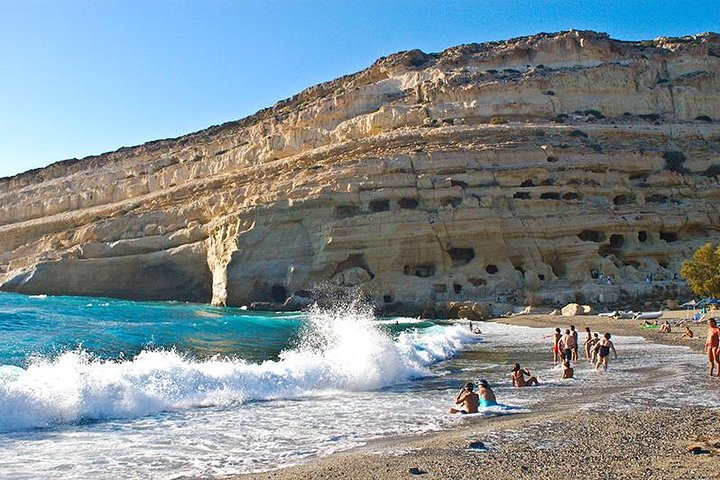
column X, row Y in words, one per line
column 468, row 399
column 588, row 342
column 593, row 347
column 604, row 347
column 711, row 346
column 688, row 333
column 518, row 377
column 487, row 396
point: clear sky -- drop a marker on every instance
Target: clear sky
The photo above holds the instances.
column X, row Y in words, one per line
column 79, row 78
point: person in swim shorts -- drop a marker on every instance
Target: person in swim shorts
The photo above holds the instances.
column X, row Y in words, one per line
column 518, row 377
column 574, row 334
column 568, row 345
column 468, row 399
column 711, row 346
column 557, row 336
column 604, row 347
column 487, row 396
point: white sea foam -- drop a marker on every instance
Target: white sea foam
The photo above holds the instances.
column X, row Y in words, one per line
column 342, row 350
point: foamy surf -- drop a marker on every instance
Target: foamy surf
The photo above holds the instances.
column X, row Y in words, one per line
column 339, row 351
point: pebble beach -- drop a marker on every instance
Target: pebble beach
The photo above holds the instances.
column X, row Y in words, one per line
column 559, row 441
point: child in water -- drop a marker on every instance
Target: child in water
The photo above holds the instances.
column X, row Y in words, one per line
column 568, row 371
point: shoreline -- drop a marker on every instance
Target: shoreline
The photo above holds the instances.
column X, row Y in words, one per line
column 559, row 442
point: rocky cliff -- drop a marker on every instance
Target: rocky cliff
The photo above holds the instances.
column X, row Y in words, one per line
column 531, row 170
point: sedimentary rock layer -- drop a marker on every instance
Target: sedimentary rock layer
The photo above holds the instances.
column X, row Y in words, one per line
column 527, row 170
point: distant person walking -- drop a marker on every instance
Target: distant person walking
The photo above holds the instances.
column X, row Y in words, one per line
column 604, row 347
column 711, row 346
column 518, row 377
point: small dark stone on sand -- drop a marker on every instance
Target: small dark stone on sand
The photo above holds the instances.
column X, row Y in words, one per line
column 416, row 471
column 477, row 446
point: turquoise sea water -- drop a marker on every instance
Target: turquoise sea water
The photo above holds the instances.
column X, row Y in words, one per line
column 251, row 388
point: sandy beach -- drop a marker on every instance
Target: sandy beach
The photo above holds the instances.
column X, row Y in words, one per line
column 557, row 442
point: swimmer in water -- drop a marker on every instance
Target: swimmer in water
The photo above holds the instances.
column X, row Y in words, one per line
column 487, row 396
column 518, row 377
column 604, row 347
column 468, row 399
column 568, row 371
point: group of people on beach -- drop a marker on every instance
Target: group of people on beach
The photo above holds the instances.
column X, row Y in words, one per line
column 565, row 350
column 597, row 349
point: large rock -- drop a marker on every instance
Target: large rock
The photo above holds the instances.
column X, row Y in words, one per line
column 394, row 180
column 572, row 309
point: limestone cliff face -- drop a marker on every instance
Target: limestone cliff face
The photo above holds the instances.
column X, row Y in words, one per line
column 519, row 169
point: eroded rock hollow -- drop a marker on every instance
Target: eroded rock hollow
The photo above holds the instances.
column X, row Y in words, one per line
column 532, row 170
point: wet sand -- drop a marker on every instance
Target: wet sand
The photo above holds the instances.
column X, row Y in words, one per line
column 558, row 442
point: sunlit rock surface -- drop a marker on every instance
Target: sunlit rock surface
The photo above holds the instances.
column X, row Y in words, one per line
column 529, row 170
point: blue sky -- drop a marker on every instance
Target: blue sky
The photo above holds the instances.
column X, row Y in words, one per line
column 85, row 77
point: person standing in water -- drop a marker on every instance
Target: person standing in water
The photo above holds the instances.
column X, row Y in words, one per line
column 468, row 399
column 603, row 350
column 487, row 396
column 556, row 345
column 593, row 347
column 518, row 377
column 588, row 343
column 711, row 346
column 568, row 345
column 574, row 334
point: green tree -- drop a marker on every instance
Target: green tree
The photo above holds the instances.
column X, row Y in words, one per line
column 702, row 272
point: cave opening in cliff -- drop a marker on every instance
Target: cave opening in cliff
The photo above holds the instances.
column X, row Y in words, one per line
column 572, row 196
column 623, row 200
column 461, row 256
column 408, row 203
column 552, row 159
column 458, row 183
column 522, row 195
column 457, row 288
column 477, row 282
column 278, row 293
column 550, row 196
column 379, row 205
column 669, row 236
column 617, row 241
column 642, row 236
column 422, row 271
column 345, row 211
column 528, row 183
column 657, row 198
column 491, row 269
column 541, row 276
column 592, row 236
column 387, row 298
column 453, row 202
column 354, row 260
